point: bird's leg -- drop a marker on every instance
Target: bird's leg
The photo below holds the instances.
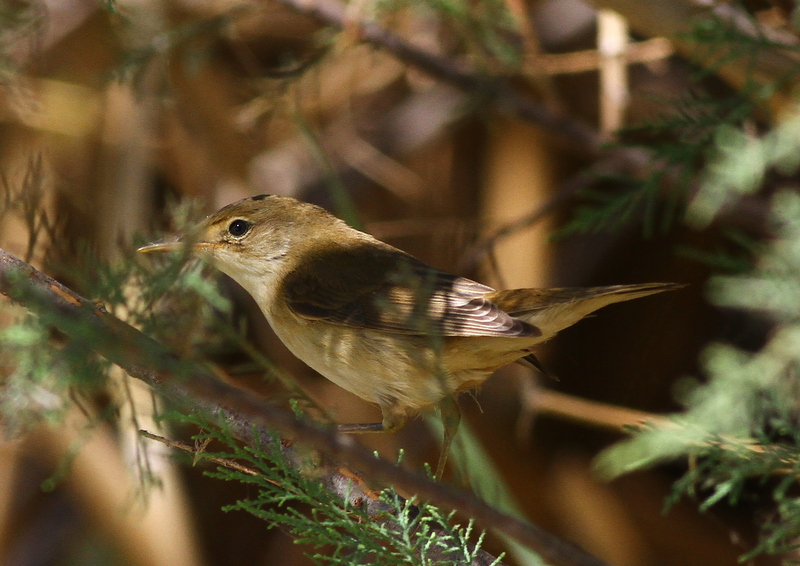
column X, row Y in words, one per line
column 394, row 418
column 360, row 427
column 451, row 417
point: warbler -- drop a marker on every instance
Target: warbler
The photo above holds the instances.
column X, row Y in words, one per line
column 375, row 320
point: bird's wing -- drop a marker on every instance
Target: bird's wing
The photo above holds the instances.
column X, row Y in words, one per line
column 385, row 289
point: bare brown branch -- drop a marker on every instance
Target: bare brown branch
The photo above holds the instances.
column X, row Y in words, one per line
column 648, row 51
column 333, row 13
column 593, row 413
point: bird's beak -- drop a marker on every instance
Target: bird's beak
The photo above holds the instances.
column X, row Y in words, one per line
column 182, row 244
column 175, row 245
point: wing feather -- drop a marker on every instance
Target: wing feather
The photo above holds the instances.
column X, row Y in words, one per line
column 382, row 288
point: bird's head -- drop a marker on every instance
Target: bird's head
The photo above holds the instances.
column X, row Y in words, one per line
column 257, row 237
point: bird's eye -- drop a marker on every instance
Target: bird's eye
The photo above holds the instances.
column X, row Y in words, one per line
column 238, row 227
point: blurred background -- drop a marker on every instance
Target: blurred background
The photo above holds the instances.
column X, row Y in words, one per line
column 522, row 143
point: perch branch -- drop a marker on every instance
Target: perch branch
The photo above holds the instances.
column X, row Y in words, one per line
column 193, row 385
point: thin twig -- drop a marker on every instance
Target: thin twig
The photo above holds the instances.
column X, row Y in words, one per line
column 594, row 413
column 532, row 53
column 483, row 247
column 200, row 455
column 625, row 420
column 647, row 51
column 333, row 13
column 565, row 193
column 195, row 387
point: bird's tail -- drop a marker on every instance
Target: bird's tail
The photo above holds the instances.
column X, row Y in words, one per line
column 552, row 310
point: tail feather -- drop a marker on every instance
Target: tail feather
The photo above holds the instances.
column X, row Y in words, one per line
column 552, row 310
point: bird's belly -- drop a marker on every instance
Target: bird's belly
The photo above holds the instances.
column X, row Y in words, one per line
column 387, row 369
column 395, row 370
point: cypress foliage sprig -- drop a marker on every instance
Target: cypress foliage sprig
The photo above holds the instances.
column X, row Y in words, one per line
column 743, row 425
column 288, row 497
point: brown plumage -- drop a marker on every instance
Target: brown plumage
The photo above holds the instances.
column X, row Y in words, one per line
column 375, row 320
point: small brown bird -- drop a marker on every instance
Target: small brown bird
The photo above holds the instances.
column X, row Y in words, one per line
column 375, row 320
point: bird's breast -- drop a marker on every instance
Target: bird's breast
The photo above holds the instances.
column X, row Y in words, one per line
column 390, row 369
column 379, row 367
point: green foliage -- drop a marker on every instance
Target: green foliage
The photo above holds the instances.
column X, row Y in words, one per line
column 44, row 374
column 679, row 142
column 740, row 162
column 340, row 531
column 739, row 430
column 734, row 254
column 742, row 428
column 610, row 209
column 474, row 465
column 32, row 389
column 698, row 128
column 718, row 43
column 179, row 303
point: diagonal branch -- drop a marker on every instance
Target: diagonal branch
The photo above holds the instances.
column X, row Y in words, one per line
column 333, row 13
column 195, row 386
